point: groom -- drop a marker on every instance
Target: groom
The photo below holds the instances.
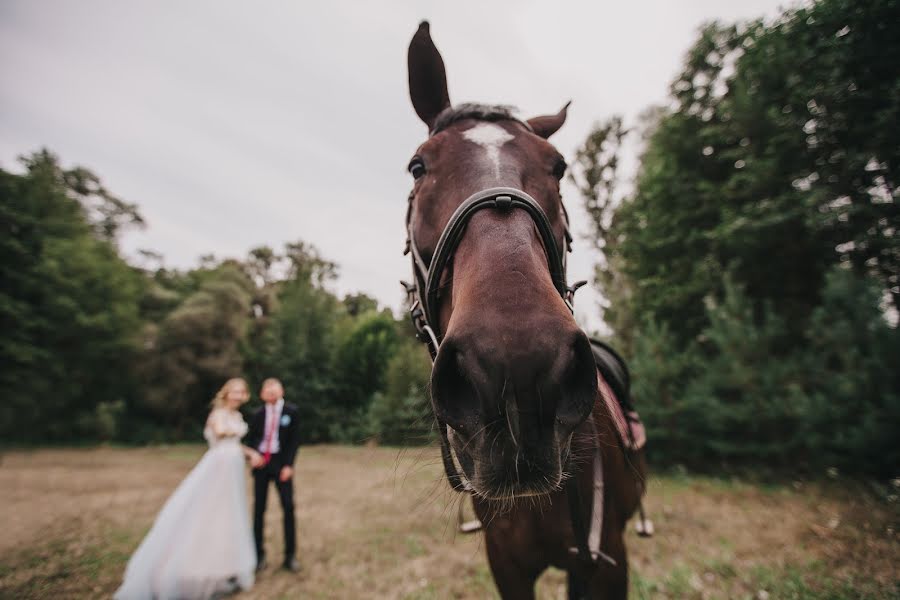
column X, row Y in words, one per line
column 275, row 432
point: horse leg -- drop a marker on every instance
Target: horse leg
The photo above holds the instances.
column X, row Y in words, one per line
column 514, row 584
column 611, row 582
column 604, row 584
column 612, row 588
column 577, row 586
column 514, row 581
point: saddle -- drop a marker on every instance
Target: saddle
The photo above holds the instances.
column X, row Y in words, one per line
column 614, row 383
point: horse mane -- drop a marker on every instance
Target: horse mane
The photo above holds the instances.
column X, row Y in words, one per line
column 474, row 110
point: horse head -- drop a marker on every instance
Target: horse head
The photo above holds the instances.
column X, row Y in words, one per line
column 513, row 373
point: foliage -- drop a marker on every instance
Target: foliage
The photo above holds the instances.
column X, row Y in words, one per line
column 97, row 349
column 361, row 359
column 595, row 174
column 742, row 396
column 68, row 309
column 298, row 347
column 195, row 348
column 401, row 413
column 750, row 271
column 854, row 380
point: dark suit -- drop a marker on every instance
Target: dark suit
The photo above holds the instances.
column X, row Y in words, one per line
column 288, row 433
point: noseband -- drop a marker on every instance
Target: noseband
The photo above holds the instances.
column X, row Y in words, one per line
column 424, row 306
column 423, row 294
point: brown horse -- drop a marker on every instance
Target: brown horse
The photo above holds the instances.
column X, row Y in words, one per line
column 514, row 382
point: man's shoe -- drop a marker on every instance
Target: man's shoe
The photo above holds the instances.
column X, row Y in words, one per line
column 292, row 565
column 261, row 564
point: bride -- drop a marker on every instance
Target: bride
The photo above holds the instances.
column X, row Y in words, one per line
column 201, row 545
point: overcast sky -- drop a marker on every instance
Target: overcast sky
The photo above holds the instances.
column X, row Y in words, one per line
column 236, row 124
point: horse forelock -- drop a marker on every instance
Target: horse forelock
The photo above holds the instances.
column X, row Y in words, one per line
column 473, row 110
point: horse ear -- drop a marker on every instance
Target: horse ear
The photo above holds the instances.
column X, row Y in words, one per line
column 427, row 77
column 549, row 124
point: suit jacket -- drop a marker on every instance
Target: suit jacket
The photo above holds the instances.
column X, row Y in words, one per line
column 288, row 432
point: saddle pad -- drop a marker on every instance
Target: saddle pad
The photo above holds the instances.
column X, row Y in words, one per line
column 628, row 424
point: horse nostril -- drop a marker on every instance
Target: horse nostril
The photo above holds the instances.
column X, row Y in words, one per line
column 579, row 385
column 454, row 398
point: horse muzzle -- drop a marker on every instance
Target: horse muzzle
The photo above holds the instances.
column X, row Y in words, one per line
column 511, row 414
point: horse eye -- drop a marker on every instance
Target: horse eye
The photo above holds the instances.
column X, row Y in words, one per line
column 416, row 167
column 559, row 169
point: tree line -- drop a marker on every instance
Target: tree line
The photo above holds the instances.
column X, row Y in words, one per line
column 94, row 348
column 753, row 271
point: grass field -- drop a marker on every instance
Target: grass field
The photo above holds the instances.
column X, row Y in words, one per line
column 379, row 523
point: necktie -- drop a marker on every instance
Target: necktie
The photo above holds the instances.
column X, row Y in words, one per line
column 270, row 433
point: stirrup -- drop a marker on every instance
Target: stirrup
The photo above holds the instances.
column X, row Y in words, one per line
column 643, row 526
column 593, row 557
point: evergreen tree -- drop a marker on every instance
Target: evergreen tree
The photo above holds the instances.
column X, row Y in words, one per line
column 745, row 271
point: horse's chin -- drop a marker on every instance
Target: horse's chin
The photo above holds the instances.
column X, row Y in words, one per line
column 498, row 484
column 513, row 492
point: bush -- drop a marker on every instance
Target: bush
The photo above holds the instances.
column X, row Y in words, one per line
column 402, row 413
column 737, row 398
column 853, row 378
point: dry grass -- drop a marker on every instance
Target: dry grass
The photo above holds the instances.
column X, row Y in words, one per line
column 379, row 523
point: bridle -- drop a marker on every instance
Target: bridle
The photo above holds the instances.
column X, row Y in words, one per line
column 424, row 306
column 423, row 294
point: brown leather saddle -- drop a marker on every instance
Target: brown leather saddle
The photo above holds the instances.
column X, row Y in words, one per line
column 614, row 382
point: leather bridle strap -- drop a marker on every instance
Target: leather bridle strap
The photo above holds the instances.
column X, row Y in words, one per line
column 426, row 290
column 456, row 481
column 503, row 199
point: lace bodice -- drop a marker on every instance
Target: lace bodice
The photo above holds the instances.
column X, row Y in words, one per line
column 224, row 424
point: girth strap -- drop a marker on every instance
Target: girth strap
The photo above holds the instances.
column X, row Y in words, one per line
column 587, row 541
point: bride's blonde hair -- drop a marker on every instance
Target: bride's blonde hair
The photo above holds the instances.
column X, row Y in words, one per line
column 219, row 400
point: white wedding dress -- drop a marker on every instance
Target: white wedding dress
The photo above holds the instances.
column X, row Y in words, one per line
column 201, row 544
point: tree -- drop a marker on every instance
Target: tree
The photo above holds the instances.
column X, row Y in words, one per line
column 595, row 174
column 759, row 237
column 298, row 343
column 359, row 304
column 401, row 414
column 68, row 308
column 195, row 349
column 760, row 157
column 854, row 383
column 361, row 362
column 259, row 265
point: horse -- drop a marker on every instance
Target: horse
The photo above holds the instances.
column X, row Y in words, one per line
column 527, row 424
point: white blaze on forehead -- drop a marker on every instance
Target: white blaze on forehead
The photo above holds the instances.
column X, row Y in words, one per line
column 491, row 137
